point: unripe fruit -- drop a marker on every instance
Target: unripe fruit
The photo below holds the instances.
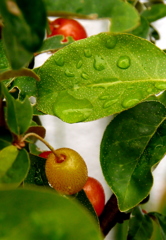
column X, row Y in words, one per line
column 66, row 171
column 95, row 194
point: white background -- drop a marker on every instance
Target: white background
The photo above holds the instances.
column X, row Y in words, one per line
column 85, row 138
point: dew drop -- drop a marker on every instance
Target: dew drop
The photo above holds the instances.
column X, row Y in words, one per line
column 111, row 42
column 149, row 90
column 59, row 61
column 160, row 86
column 123, row 62
column 104, row 97
column 127, row 103
column 79, row 64
column 99, row 63
column 68, row 73
column 87, row 53
column 109, row 103
column 72, row 110
column 84, row 76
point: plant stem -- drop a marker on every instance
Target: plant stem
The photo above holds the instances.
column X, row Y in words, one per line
column 41, row 139
column 111, row 215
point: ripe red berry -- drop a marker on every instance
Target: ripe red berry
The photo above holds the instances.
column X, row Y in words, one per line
column 45, row 154
column 95, row 194
column 67, row 27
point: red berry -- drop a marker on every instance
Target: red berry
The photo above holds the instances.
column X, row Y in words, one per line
column 95, row 194
column 67, row 27
column 45, row 154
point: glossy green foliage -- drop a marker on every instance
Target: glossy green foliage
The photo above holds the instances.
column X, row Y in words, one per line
column 44, row 215
column 14, row 166
column 54, row 43
column 18, row 114
column 99, row 76
column 132, row 144
column 24, row 29
column 155, row 12
column 143, row 28
column 123, row 15
column 140, row 226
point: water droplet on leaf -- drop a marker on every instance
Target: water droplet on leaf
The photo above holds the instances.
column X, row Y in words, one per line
column 123, row 62
column 160, row 86
column 87, row 53
column 79, row 64
column 70, row 109
column 59, row 61
column 109, row 103
column 104, row 97
column 111, row 42
column 99, row 63
column 84, row 76
column 127, row 103
column 68, row 73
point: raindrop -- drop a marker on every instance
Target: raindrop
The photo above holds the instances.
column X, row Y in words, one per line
column 99, row 63
column 60, row 61
column 68, row 73
column 104, row 97
column 127, row 103
column 123, row 62
column 70, row 109
column 160, row 86
column 79, row 64
column 109, row 103
column 84, row 76
column 111, row 42
column 149, row 90
column 87, row 53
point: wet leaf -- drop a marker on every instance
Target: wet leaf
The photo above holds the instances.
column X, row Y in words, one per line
column 140, row 226
column 4, row 64
column 18, row 114
column 53, row 43
column 132, row 144
column 44, row 215
column 123, row 15
column 100, row 76
column 14, row 166
column 24, row 29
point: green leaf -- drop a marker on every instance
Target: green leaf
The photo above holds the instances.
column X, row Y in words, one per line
column 44, row 215
column 4, row 64
column 161, row 220
column 82, row 198
column 24, row 29
column 123, row 16
column 5, row 137
column 140, row 226
column 54, row 43
column 14, row 166
column 18, row 114
column 132, row 144
column 36, row 173
column 155, row 12
column 99, row 76
column 143, row 29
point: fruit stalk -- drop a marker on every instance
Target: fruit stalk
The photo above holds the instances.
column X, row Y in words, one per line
column 41, row 139
column 111, row 215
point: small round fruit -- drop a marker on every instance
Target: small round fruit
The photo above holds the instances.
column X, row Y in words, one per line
column 67, row 27
column 45, row 154
column 67, row 171
column 95, row 194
